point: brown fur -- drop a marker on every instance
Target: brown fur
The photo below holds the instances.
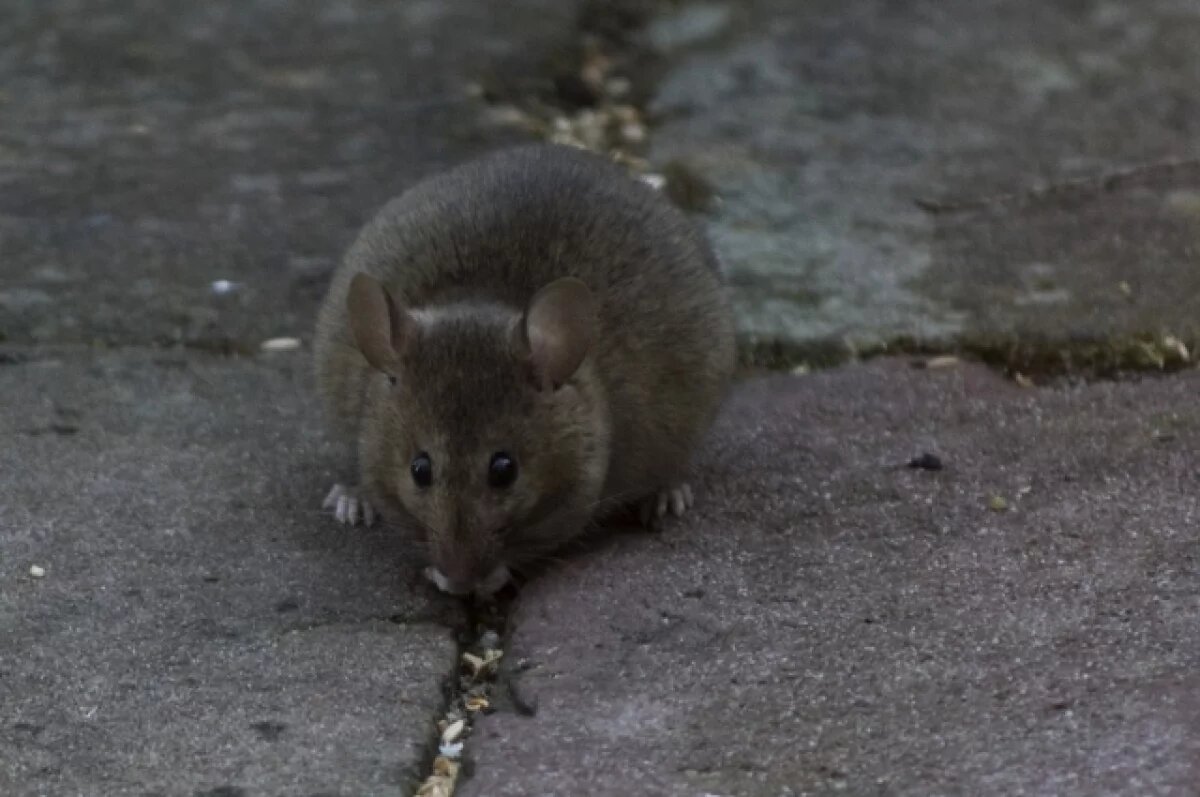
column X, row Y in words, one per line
column 466, row 251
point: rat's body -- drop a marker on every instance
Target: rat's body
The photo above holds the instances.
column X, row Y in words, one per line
column 502, row 414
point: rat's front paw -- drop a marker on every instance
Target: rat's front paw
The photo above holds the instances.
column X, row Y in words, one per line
column 676, row 500
column 348, row 506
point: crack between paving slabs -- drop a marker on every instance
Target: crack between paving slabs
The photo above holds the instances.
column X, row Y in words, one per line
column 1083, row 187
column 594, row 105
column 470, row 690
column 1029, row 363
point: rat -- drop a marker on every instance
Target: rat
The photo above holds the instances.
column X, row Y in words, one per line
column 517, row 347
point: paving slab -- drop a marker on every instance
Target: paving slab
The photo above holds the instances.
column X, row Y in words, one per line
column 149, row 150
column 820, row 125
column 830, row 620
column 200, row 626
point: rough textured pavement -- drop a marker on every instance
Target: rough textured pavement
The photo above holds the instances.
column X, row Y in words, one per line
column 199, row 625
column 832, row 621
column 820, row 124
column 828, row 620
column 148, row 150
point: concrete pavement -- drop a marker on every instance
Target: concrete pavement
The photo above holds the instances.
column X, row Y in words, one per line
column 831, row 620
column 176, row 183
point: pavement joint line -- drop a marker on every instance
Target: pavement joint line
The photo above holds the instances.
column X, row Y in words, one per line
column 470, row 690
column 393, row 619
column 1083, row 187
column 1091, row 361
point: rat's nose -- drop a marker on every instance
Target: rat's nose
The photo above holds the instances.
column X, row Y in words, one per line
column 494, row 581
column 483, row 587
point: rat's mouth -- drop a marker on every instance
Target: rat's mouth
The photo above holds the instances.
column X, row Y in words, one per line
column 483, row 588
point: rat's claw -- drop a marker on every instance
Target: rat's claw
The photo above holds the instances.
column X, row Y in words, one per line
column 676, row 500
column 331, row 498
column 347, row 510
column 348, row 507
column 681, row 499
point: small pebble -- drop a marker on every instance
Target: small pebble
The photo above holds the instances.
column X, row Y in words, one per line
column 222, row 287
column 926, row 461
column 997, row 504
column 36, row 571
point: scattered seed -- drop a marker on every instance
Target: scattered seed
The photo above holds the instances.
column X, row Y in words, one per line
column 1178, row 346
column 618, row 87
column 436, row 787
column 37, row 571
column 480, row 666
column 473, row 662
column 222, row 287
column 280, row 344
column 510, row 116
column 1125, row 288
column 441, row 782
column 655, row 181
column 633, row 132
column 453, row 731
column 1153, row 354
column 451, row 750
column 997, row 504
column 944, row 361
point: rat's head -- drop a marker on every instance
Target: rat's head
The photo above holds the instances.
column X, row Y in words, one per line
column 483, row 424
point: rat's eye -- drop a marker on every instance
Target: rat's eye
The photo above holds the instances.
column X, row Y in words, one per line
column 422, row 470
column 391, row 379
column 502, row 471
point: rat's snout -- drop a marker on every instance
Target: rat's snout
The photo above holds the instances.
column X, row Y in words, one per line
column 483, row 587
column 466, row 554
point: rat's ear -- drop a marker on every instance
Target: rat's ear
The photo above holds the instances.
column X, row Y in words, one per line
column 380, row 327
column 557, row 330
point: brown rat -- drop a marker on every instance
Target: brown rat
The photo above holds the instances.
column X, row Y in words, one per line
column 516, row 346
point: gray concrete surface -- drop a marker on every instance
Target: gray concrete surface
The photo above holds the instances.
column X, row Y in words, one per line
column 820, row 124
column 200, row 625
column 828, row 621
column 150, row 149
column 832, row 621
